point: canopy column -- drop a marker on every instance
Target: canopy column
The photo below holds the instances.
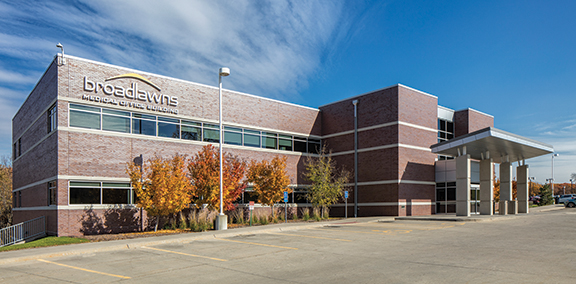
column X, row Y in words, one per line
column 486, row 187
column 522, row 191
column 507, row 205
column 463, row 185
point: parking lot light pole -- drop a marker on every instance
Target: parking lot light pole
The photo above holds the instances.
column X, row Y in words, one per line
column 552, row 179
column 221, row 220
column 571, row 185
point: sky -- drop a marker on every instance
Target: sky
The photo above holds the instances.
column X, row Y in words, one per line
column 512, row 59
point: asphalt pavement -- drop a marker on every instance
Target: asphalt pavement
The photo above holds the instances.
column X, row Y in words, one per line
column 525, row 248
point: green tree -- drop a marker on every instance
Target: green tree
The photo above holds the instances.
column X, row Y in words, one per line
column 328, row 184
column 164, row 189
column 545, row 198
column 270, row 180
column 5, row 192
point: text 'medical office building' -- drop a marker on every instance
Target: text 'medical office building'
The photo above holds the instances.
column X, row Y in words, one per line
column 85, row 120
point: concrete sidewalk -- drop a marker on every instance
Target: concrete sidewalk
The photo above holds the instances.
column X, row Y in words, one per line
column 88, row 248
column 478, row 217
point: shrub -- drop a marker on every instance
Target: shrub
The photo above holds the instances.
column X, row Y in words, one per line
column 202, row 220
column 294, row 215
column 237, row 216
column 263, row 220
column 305, row 214
column 316, row 214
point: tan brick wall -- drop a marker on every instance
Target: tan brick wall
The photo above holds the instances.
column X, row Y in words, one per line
column 195, row 100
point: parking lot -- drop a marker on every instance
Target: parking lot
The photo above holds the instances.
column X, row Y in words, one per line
column 534, row 248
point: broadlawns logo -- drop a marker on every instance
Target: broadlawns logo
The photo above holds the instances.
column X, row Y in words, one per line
column 116, row 93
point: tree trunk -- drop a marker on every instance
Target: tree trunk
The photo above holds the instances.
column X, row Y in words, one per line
column 156, row 226
column 322, row 214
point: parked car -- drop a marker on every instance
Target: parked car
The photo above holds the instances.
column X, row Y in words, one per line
column 535, row 199
column 570, row 203
column 565, row 197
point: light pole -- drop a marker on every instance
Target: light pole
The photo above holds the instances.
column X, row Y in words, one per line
column 571, row 185
column 355, row 103
column 552, row 179
column 221, row 220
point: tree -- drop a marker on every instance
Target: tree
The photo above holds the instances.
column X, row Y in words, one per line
column 327, row 184
column 204, row 171
column 534, row 188
column 270, row 180
column 497, row 189
column 5, row 192
column 545, row 198
column 165, row 188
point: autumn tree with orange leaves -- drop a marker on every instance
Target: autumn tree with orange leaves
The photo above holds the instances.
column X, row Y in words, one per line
column 269, row 179
column 164, row 188
column 497, row 189
column 204, row 171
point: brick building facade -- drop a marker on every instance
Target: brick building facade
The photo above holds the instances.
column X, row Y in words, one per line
column 85, row 120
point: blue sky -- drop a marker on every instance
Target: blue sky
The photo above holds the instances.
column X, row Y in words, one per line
column 512, row 59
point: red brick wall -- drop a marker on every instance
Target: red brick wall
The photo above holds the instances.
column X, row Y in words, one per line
column 392, row 163
column 469, row 120
column 39, row 99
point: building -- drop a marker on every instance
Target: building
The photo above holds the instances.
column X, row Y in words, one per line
column 84, row 121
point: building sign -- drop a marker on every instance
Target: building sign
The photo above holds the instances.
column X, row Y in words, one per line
column 129, row 96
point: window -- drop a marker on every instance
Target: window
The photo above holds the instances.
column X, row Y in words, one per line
column 115, row 193
column 143, row 124
column 52, row 191
column 168, row 127
column 232, row 135
column 314, row 146
column 211, row 133
column 191, row 130
column 19, row 198
column 84, row 116
column 113, row 120
column 251, row 138
column 300, row 144
column 100, row 193
column 105, row 119
column 52, row 118
column 269, row 140
column 17, row 148
column 285, row 142
column 445, row 133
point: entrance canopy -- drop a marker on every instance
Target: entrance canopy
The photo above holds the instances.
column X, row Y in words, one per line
column 493, row 143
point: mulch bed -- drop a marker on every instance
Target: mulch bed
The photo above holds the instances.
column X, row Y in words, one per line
column 124, row 236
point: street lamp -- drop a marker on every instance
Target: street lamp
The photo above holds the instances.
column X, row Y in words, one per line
column 552, row 180
column 571, row 185
column 221, row 220
column 59, row 45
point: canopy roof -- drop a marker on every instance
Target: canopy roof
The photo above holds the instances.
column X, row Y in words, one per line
column 493, row 143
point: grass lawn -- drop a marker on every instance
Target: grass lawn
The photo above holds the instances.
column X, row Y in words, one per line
column 46, row 242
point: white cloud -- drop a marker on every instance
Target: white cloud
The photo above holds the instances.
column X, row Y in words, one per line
column 272, row 47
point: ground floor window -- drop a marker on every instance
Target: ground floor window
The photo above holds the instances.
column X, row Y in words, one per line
column 52, row 190
column 446, row 197
column 82, row 192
